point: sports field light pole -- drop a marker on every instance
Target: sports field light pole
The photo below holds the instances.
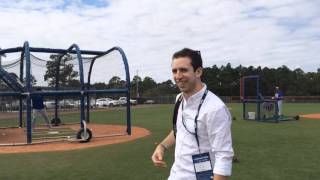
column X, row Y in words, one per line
column 137, row 84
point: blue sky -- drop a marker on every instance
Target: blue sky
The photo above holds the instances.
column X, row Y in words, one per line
column 94, row 3
column 248, row 32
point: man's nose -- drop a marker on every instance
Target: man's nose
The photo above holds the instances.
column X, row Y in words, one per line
column 178, row 74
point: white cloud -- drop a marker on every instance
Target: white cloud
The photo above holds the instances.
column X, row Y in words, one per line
column 261, row 32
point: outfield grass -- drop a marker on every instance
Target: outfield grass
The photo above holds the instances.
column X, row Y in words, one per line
column 287, row 150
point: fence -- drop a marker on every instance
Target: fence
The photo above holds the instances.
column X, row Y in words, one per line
column 170, row 99
column 9, row 104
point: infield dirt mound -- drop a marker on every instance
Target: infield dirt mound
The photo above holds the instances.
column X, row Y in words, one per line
column 311, row 116
column 98, row 130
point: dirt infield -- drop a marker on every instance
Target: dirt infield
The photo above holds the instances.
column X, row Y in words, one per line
column 311, row 116
column 99, row 130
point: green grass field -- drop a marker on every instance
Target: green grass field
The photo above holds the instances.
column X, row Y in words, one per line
column 277, row 151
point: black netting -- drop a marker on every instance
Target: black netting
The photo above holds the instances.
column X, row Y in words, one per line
column 54, row 72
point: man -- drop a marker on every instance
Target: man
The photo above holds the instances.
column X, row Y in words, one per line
column 38, row 108
column 279, row 97
column 203, row 141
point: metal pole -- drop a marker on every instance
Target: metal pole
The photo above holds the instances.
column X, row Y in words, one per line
column 137, row 85
column 4, row 55
column 1, row 62
column 0, row 59
column 28, row 91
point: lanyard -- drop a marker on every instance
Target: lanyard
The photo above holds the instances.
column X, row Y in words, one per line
column 195, row 119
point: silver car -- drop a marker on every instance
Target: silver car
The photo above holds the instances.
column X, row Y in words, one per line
column 106, row 102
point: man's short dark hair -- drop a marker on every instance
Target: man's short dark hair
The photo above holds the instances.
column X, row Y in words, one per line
column 195, row 56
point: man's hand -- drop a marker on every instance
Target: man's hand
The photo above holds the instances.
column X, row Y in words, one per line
column 219, row 177
column 158, row 154
column 157, row 157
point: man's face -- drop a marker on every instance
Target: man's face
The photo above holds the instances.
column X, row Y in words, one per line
column 184, row 75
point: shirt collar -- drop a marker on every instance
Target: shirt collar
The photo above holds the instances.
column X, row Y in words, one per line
column 198, row 95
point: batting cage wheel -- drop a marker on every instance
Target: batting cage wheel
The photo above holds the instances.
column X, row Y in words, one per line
column 84, row 135
column 56, row 121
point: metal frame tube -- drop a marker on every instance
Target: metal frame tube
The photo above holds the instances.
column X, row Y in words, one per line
column 73, row 49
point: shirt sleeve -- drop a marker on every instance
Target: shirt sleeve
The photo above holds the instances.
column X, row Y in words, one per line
column 219, row 132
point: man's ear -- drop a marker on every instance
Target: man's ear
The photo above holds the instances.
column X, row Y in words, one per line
column 199, row 72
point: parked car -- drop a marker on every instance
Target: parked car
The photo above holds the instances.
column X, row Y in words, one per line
column 14, row 105
column 123, row 101
column 49, row 104
column 67, row 103
column 103, row 102
column 149, row 101
column 92, row 103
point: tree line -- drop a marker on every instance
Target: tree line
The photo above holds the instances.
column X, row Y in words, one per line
column 223, row 80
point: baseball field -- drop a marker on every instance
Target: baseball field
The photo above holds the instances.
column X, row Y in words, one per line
column 277, row 151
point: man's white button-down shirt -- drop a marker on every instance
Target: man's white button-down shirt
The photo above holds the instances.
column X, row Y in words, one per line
column 214, row 126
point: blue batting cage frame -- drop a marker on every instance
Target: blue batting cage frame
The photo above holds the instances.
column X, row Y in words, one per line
column 249, row 99
column 257, row 100
column 261, row 104
column 25, row 91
